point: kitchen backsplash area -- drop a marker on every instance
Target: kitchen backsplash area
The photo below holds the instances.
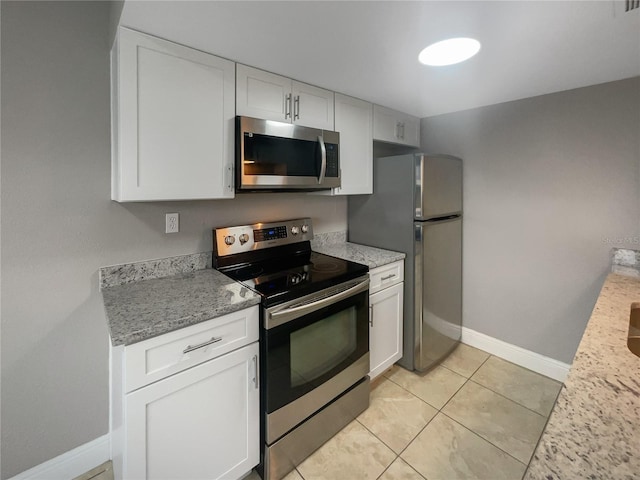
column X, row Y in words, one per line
column 625, row 262
column 114, row 275
column 322, row 239
column 122, row 274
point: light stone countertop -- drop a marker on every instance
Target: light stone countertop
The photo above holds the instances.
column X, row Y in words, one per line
column 148, row 308
column 370, row 256
column 594, row 429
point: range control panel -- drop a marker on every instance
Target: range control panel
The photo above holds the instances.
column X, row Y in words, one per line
column 241, row 239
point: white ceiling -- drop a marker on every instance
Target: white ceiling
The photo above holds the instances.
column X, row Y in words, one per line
column 369, row 49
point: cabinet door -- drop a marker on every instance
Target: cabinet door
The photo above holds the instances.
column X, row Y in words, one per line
column 410, row 131
column 395, row 127
column 312, row 106
column 385, row 328
column 173, row 121
column 200, row 423
column 354, row 121
column 385, row 124
column 264, row 95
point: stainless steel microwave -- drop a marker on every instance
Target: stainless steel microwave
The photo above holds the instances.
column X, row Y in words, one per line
column 281, row 156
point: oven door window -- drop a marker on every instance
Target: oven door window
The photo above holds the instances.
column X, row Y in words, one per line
column 317, row 348
column 306, row 352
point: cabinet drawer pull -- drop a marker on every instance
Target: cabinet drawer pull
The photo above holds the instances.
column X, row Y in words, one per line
column 191, row 348
column 388, row 277
column 371, row 315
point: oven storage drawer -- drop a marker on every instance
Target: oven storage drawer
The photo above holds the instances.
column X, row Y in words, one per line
column 159, row 357
column 385, row 276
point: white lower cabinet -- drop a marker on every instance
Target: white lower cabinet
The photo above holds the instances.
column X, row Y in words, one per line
column 202, row 423
column 200, row 419
column 385, row 318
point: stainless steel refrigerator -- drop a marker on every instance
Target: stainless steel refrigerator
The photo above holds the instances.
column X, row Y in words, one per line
column 416, row 208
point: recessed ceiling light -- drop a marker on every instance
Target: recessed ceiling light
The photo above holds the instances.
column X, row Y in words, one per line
column 448, row 52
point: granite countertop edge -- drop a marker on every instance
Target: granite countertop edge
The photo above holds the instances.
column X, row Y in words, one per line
column 148, row 308
column 373, row 257
column 138, row 309
column 593, row 430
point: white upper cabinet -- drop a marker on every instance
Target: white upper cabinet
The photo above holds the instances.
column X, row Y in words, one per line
column 172, row 121
column 265, row 95
column 354, row 121
column 312, row 106
column 395, row 127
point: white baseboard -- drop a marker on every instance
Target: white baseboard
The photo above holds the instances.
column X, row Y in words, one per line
column 70, row 464
column 525, row 358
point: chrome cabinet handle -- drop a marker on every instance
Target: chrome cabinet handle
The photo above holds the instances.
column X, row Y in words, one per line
column 323, row 168
column 402, row 130
column 296, row 107
column 287, row 106
column 388, row 277
column 256, row 380
column 191, row 348
column 371, row 315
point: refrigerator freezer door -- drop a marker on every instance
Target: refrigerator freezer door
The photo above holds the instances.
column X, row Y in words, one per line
column 438, row 186
column 438, row 290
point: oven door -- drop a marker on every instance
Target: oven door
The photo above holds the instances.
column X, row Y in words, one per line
column 314, row 349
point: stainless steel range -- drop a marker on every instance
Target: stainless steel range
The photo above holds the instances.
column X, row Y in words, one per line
column 314, row 338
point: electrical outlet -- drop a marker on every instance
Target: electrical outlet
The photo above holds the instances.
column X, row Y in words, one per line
column 172, row 223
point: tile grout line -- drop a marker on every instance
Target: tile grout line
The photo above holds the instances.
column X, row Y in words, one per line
column 386, row 377
column 512, row 400
column 440, row 410
column 470, row 379
column 543, row 429
column 484, row 439
column 377, row 438
column 398, row 455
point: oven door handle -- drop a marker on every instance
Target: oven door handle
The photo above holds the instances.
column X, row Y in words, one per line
column 284, row 314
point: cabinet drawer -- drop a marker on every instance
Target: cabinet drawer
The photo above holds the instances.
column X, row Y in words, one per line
column 385, row 276
column 165, row 355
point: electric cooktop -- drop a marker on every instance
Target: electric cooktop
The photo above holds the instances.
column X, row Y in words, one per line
column 275, row 260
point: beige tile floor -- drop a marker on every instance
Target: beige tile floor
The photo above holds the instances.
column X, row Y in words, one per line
column 475, row 416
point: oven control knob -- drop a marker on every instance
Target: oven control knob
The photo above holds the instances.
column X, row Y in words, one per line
column 244, row 238
column 229, row 239
column 305, row 228
column 295, row 230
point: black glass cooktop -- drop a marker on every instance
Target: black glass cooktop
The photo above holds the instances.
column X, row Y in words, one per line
column 284, row 278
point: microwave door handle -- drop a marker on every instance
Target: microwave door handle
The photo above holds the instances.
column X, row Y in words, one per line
column 323, row 155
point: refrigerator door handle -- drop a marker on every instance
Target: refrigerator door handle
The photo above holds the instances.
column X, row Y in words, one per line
column 448, row 218
column 418, row 252
column 417, row 187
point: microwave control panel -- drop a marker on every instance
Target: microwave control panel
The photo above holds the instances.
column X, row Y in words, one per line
column 332, row 160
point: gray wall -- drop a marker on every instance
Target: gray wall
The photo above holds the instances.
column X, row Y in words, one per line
column 552, row 183
column 59, row 227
